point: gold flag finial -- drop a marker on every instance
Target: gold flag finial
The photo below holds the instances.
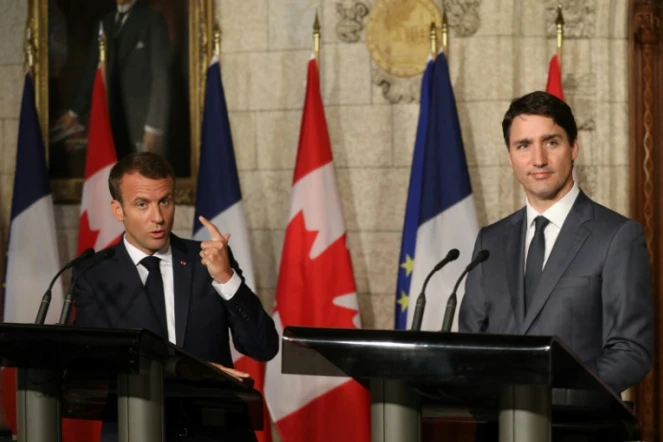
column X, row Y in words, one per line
column 316, row 39
column 29, row 49
column 217, row 42
column 445, row 33
column 102, row 44
column 560, row 32
column 433, row 39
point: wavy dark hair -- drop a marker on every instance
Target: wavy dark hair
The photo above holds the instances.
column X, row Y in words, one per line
column 544, row 104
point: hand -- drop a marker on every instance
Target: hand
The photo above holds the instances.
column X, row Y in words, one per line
column 152, row 142
column 67, row 121
column 239, row 375
column 214, row 253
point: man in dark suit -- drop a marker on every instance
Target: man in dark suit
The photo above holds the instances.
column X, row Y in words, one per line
column 188, row 292
column 137, row 74
column 562, row 265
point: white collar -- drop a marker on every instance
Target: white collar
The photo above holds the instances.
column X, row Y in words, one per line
column 137, row 255
column 558, row 212
column 126, row 7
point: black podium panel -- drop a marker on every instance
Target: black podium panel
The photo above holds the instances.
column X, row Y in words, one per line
column 87, row 363
column 460, row 371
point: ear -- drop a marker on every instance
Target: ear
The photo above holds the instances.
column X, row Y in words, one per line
column 508, row 155
column 116, row 209
column 575, row 149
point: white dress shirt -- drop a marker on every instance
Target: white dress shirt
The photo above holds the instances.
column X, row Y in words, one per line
column 165, row 255
column 556, row 214
column 124, row 8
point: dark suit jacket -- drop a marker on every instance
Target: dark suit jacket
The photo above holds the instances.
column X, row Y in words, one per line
column 595, row 292
column 137, row 72
column 112, row 295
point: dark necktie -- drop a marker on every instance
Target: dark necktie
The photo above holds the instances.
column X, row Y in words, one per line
column 154, row 288
column 119, row 19
column 535, row 255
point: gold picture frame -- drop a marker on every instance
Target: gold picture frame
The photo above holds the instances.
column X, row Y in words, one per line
column 199, row 34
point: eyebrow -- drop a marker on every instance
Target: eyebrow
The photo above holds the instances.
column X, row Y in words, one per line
column 143, row 198
column 546, row 137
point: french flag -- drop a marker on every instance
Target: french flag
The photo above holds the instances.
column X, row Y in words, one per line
column 219, row 199
column 446, row 213
column 33, row 257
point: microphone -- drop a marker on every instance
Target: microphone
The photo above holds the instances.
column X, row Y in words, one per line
column 46, row 299
column 451, row 303
column 96, row 259
column 421, row 300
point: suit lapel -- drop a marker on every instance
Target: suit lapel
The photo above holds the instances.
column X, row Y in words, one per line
column 128, row 268
column 570, row 240
column 514, row 247
column 182, row 269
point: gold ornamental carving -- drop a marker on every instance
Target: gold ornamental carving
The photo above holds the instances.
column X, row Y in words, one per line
column 398, row 35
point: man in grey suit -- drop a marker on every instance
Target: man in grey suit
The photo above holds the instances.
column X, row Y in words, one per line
column 137, row 67
column 562, row 265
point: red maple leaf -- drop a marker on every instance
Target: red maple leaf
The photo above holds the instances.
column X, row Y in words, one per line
column 307, row 287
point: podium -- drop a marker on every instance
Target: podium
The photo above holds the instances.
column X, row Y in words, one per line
column 132, row 377
column 527, row 384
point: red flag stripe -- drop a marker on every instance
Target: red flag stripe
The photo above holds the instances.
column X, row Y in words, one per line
column 101, row 149
column 257, row 371
column 314, row 129
column 554, row 85
column 323, row 420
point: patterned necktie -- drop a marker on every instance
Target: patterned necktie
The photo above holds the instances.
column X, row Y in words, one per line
column 154, row 288
column 535, row 255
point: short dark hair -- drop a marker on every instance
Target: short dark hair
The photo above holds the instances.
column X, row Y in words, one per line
column 148, row 164
column 544, row 104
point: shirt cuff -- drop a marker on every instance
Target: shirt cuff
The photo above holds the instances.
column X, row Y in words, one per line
column 153, row 130
column 228, row 290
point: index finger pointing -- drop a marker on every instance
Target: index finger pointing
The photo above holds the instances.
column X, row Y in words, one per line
column 211, row 228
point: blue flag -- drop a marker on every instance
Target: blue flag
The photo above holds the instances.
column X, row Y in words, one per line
column 446, row 217
column 406, row 260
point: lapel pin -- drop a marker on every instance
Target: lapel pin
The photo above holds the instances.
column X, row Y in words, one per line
column 183, row 263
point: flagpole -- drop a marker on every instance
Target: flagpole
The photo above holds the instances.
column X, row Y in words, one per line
column 445, row 34
column 101, row 39
column 217, row 42
column 316, row 40
column 560, row 33
column 29, row 51
column 433, row 39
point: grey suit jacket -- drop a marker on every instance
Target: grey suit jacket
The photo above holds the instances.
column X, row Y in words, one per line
column 138, row 91
column 595, row 292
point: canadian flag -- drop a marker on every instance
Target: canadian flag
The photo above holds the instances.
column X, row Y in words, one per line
column 98, row 228
column 315, row 288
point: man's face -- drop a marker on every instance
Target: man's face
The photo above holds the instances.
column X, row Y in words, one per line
column 147, row 211
column 542, row 158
